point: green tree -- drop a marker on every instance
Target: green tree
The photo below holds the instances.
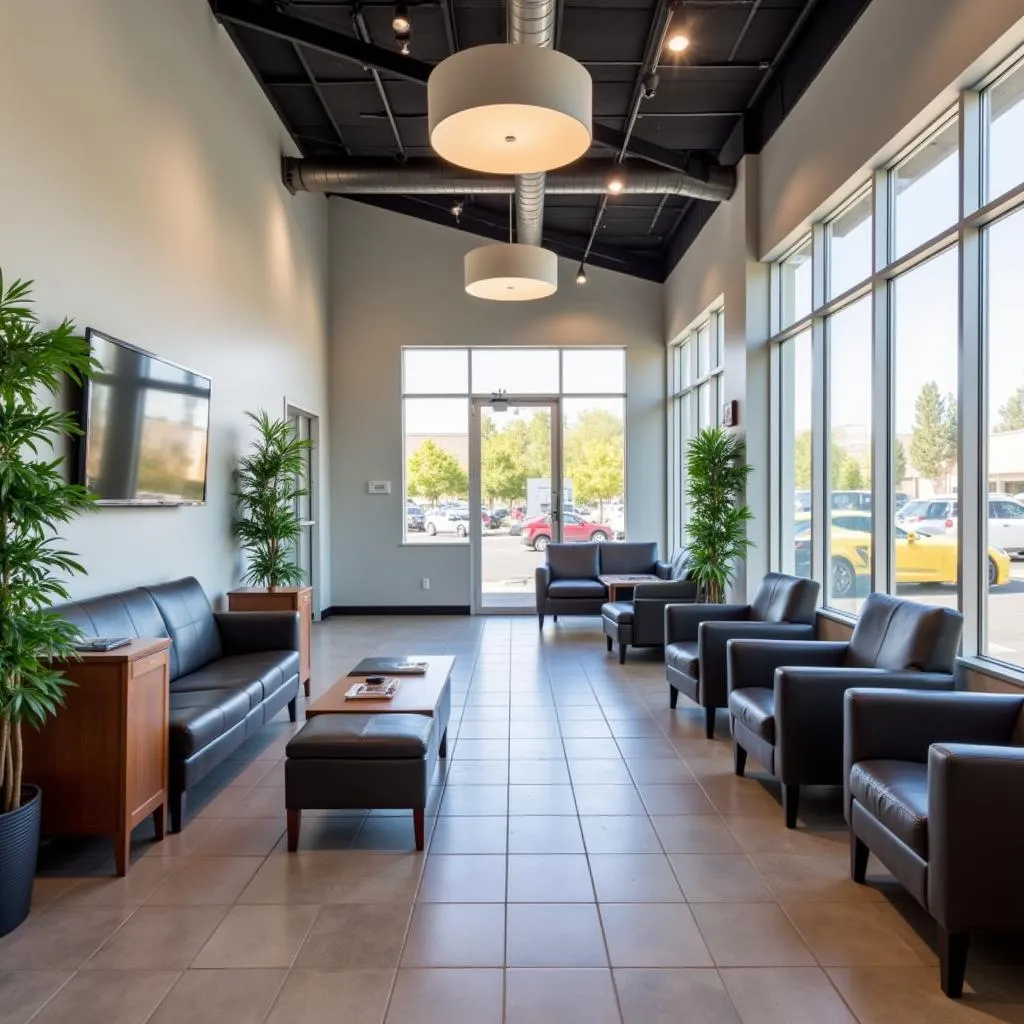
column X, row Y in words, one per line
column 934, row 440
column 434, row 473
column 1011, row 413
column 597, row 472
column 802, row 461
column 851, row 477
column 900, row 463
column 503, row 474
column 843, row 466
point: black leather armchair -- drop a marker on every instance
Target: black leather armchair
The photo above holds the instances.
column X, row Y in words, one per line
column 696, row 635
column 641, row 622
column 934, row 783
column 786, row 699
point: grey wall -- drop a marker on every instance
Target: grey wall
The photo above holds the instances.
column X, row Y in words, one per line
column 397, row 281
column 140, row 188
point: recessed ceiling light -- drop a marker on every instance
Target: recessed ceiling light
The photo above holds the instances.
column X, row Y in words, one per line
column 678, row 43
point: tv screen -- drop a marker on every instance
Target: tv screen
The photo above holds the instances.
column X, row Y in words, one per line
column 146, row 428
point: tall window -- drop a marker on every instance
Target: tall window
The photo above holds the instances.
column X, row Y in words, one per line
column 796, row 454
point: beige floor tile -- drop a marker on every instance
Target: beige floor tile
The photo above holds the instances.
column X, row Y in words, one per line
column 538, row 800
column 355, row 935
column 813, row 878
column 257, row 936
column 554, row 935
column 750, row 935
column 470, row 835
column 238, row 997
column 620, row 833
column 537, row 750
column 590, row 772
column 158, row 938
column 456, row 935
column 673, row 798
column 750, row 797
column 463, row 878
column 220, row 803
column 719, row 878
column 653, row 935
column 785, row 995
column 667, row 996
column 638, row 748
column 445, row 996
column 127, row 892
column 23, row 992
column 314, row 997
column 662, row 770
column 546, row 996
column 856, row 935
column 107, row 997
column 362, row 876
column 249, row 837
column 390, row 833
column 474, row 800
column 306, row 876
column 694, row 833
column 612, row 798
column 549, row 878
column 580, row 749
column 768, row 834
column 327, row 833
column 183, row 843
column 538, row 773
column 205, row 880
column 544, row 834
column 60, row 938
column 476, row 773
column 634, row 878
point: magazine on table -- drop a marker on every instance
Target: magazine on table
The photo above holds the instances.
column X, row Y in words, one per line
column 373, row 688
column 391, row 667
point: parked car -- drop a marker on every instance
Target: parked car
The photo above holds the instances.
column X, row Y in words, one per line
column 449, row 520
column 495, row 517
column 415, row 518
column 537, row 531
column 937, row 516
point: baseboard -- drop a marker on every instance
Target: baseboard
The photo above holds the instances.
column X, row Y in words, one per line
column 395, row 609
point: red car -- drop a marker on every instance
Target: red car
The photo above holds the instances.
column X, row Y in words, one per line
column 537, row 531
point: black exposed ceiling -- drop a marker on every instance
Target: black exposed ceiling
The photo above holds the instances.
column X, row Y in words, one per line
column 748, row 63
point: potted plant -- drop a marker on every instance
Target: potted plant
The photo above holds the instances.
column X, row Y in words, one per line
column 268, row 482
column 35, row 500
column 716, row 478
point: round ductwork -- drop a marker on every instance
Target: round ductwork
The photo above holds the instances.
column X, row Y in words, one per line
column 510, row 109
column 511, row 272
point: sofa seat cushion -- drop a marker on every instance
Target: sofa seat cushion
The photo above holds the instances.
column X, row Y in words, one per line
column 259, row 674
column 362, row 737
column 575, row 589
column 620, row 612
column 754, row 707
column 198, row 717
column 896, row 794
column 684, row 657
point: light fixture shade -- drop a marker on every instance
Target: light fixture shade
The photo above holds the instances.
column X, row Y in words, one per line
column 510, row 109
column 511, row 273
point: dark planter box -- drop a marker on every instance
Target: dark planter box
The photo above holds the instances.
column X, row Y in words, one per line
column 19, row 846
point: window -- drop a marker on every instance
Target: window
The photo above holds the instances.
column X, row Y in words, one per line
column 848, row 246
column 795, row 285
column 1004, row 119
column 517, row 371
column 797, row 541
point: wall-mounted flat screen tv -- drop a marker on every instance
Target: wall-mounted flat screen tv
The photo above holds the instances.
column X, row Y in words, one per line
column 147, row 426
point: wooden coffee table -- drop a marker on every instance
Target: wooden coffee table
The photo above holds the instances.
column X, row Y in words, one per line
column 625, row 581
column 428, row 694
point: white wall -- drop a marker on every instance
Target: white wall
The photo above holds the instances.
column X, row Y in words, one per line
column 397, row 281
column 140, row 188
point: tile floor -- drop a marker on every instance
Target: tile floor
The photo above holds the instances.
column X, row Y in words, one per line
column 592, row 860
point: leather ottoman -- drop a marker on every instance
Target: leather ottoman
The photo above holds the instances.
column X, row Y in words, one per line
column 617, row 621
column 341, row 762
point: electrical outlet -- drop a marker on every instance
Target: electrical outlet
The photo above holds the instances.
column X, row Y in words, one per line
column 425, row 583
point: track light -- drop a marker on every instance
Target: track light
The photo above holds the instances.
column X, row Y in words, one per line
column 678, row 43
column 457, row 208
column 402, row 27
column 615, row 184
column 581, row 275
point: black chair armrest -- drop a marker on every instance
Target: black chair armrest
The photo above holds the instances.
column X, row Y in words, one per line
column 251, row 632
column 666, row 590
column 663, row 570
column 975, row 839
column 809, row 704
column 753, row 662
column 542, row 580
column 682, row 621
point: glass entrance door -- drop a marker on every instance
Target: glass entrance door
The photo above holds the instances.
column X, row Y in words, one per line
column 516, row 487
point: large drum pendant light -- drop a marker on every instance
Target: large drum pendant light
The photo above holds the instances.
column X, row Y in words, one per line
column 511, row 273
column 510, row 109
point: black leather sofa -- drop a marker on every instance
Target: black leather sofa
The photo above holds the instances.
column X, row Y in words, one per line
column 230, row 672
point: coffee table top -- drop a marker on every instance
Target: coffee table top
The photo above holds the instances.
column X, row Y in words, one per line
column 417, row 695
column 619, row 578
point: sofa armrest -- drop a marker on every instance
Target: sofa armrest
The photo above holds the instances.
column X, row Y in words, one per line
column 663, row 570
column 975, row 843
column 542, row 580
column 809, row 704
column 682, row 621
column 250, row 632
column 667, row 590
column 753, row 662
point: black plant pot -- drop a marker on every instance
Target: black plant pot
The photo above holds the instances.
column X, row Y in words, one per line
column 19, row 845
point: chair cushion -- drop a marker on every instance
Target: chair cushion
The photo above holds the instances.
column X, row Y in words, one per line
column 576, row 588
column 782, row 598
column 362, row 737
column 754, row 706
column 618, row 611
column 259, row 674
column 895, row 634
column 573, row 561
column 198, row 717
column 896, row 794
column 190, row 624
column 623, row 557
column 685, row 657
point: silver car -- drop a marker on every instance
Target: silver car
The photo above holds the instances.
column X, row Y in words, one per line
column 938, row 516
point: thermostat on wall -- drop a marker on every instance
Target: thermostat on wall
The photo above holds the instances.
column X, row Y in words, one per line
column 379, row 487
column 730, row 414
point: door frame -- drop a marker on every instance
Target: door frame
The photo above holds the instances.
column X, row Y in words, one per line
column 554, row 404
column 315, row 505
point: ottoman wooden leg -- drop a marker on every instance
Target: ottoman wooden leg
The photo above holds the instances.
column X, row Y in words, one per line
column 294, row 824
column 417, row 825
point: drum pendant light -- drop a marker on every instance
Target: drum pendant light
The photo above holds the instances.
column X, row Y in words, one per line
column 511, row 273
column 510, row 109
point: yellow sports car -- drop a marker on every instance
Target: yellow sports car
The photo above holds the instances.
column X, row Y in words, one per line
column 919, row 559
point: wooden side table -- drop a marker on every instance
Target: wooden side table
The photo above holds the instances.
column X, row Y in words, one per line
column 281, row 599
column 101, row 761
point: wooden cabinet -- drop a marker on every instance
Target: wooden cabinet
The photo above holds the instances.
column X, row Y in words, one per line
column 101, row 761
column 281, row 599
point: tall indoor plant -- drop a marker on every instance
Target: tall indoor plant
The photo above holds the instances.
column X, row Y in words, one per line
column 716, row 479
column 268, row 482
column 35, row 500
